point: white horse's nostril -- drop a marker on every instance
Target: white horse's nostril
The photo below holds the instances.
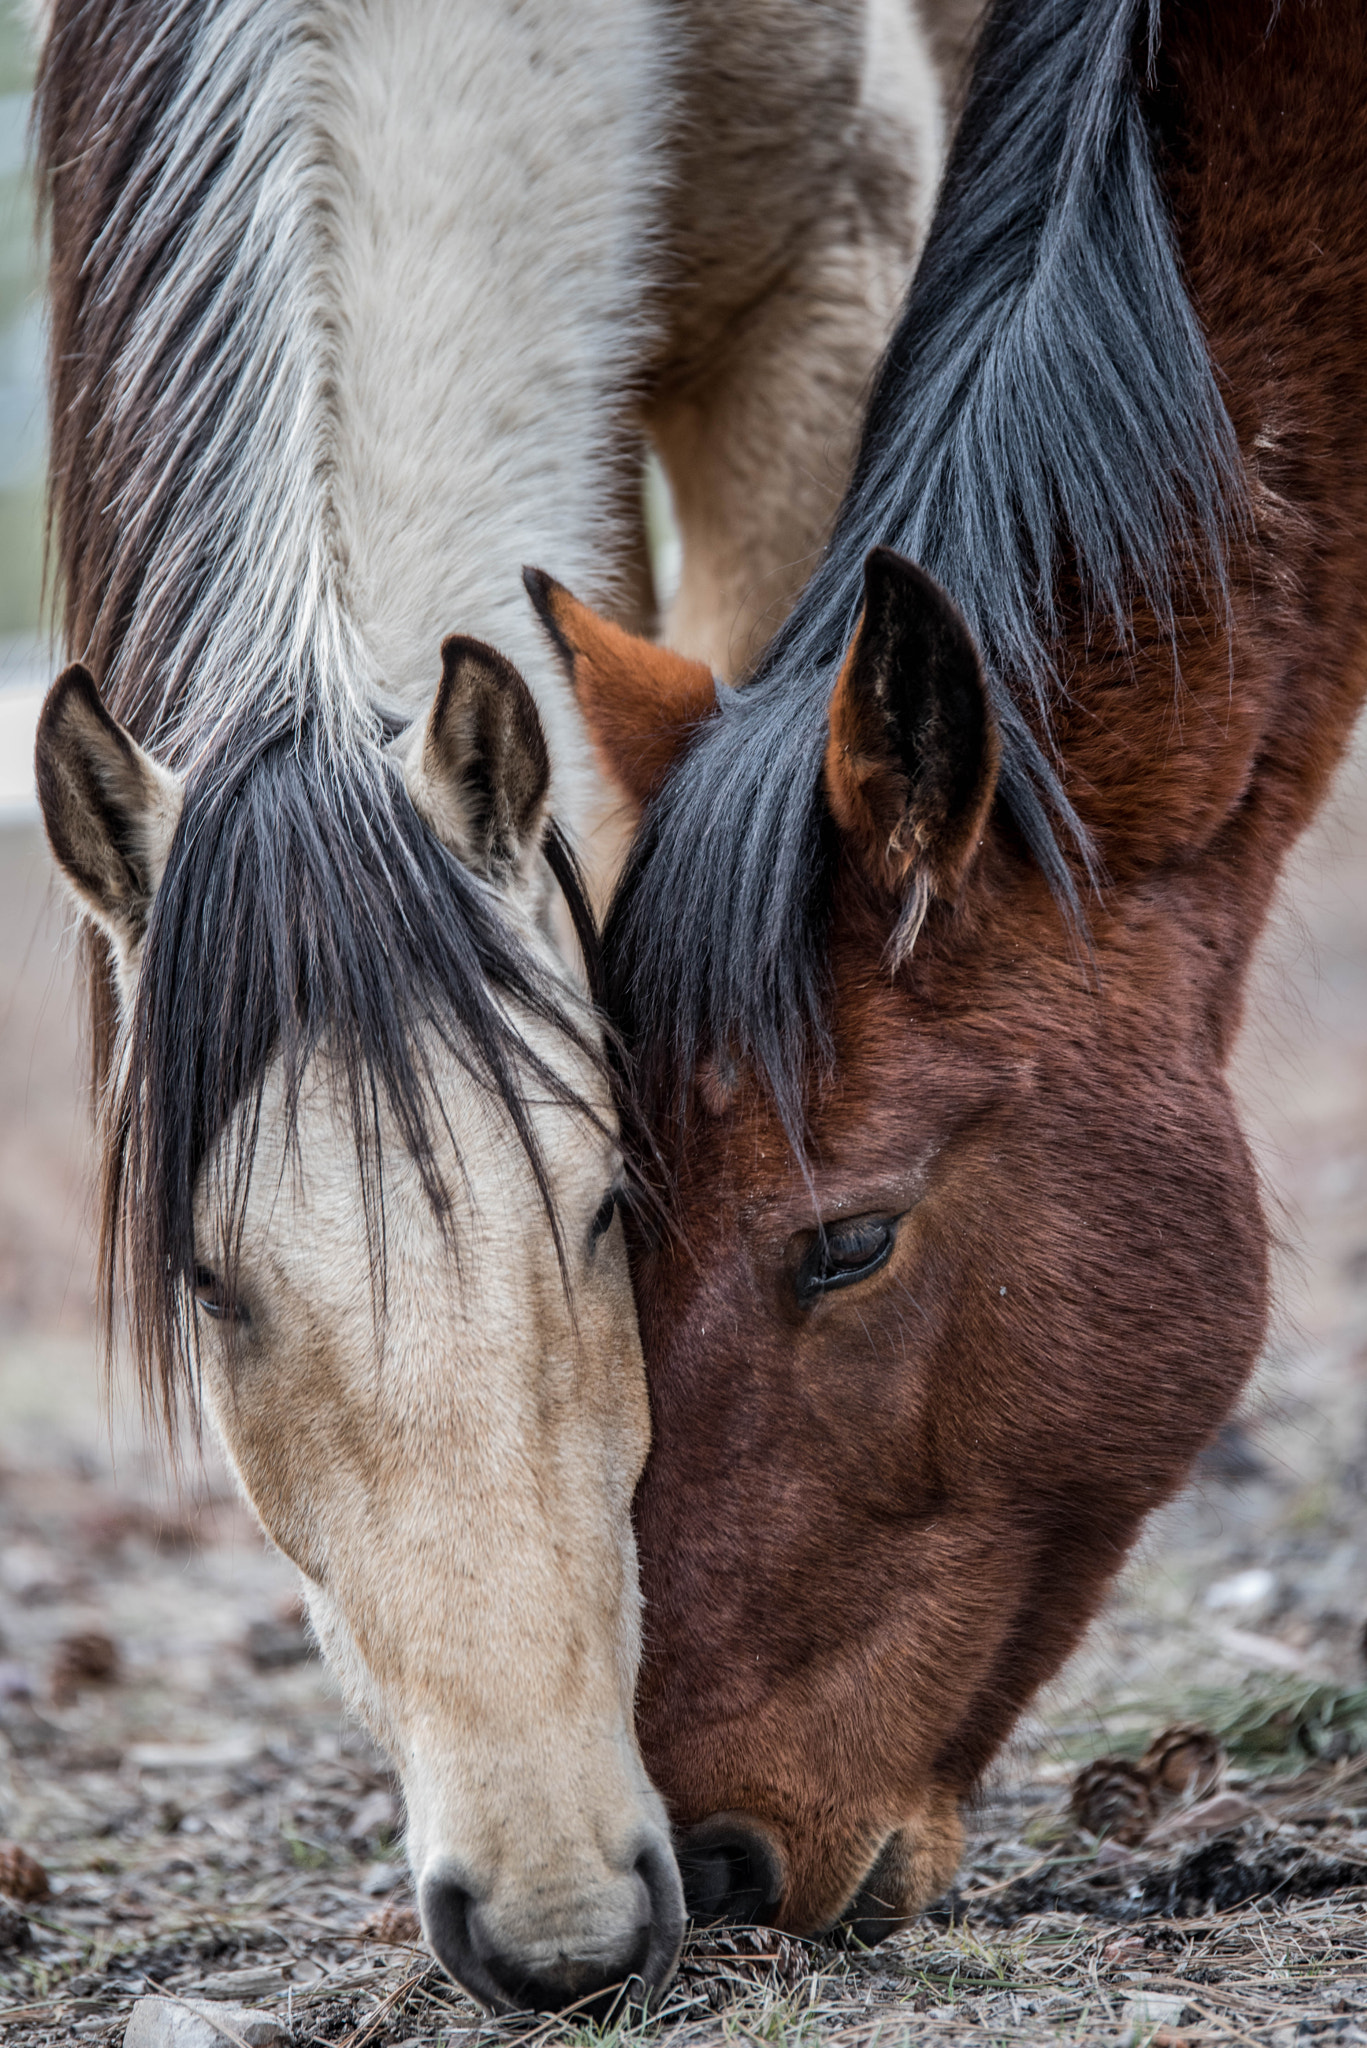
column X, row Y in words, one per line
column 659, row 1873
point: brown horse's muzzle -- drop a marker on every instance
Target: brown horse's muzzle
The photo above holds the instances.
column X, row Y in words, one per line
column 736, row 1868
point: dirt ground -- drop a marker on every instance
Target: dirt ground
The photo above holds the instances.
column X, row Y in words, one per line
column 212, row 1826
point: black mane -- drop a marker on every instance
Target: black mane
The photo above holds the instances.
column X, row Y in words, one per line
column 307, row 907
column 1047, row 398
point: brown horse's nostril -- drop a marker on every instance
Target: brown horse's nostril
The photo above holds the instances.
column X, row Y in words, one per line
column 732, row 1870
column 878, row 1908
column 598, row 1985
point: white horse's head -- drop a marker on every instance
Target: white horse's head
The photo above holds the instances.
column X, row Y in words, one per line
column 361, row 1180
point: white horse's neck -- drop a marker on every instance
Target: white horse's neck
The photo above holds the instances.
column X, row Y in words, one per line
column 413, row 300
column 494, row 166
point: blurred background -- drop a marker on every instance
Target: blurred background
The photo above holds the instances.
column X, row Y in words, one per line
column 148, row 1637
column 22, row 656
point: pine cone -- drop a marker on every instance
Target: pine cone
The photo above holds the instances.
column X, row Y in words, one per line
column 89, row 1657
column 1184, row 1762
column 397, row 1924
column 22, row 1876
column 1113, row 1797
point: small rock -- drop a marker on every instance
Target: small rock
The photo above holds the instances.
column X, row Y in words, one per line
column 15, row 1932
column 1147, row 2012
column 22, row 1876
column 89, row 1657
column 397, row 1924
column 1248, row 1594
column 185, row 2023
column 381, row 1878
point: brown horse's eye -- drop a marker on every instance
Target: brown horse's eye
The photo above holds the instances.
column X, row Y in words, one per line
column 212, row 1297
column 845, row 1253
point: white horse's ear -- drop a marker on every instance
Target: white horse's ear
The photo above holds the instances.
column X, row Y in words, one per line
column 110, row 811
column 478, row 772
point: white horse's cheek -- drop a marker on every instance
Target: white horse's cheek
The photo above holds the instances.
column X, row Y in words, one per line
column 449, row 1458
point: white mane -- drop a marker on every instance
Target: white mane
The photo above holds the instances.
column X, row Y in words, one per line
column 403, row 306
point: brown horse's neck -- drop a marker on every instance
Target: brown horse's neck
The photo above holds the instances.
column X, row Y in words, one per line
column 1199, row 790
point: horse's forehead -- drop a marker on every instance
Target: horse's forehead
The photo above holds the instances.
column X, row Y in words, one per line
column 307, row 1176
column 900, row 1074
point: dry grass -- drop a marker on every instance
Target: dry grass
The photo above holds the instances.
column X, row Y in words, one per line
column 1261, row 1938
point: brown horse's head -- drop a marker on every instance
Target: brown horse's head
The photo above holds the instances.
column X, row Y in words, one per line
column 916, row 1384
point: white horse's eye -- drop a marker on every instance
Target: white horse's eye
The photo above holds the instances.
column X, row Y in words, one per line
column 212, row 1297
column 602, row 1217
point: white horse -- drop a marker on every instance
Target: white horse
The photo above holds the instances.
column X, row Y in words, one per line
column 355, row 308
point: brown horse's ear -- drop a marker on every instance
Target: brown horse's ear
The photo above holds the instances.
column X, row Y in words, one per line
column 110, row 810
column 912, row 755
column 640, row 702
column 480, row 773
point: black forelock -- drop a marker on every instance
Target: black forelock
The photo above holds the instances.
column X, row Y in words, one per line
column 306, row 907
column 1046, row 401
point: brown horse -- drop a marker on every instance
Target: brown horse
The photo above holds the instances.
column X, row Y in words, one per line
column 934, row 943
